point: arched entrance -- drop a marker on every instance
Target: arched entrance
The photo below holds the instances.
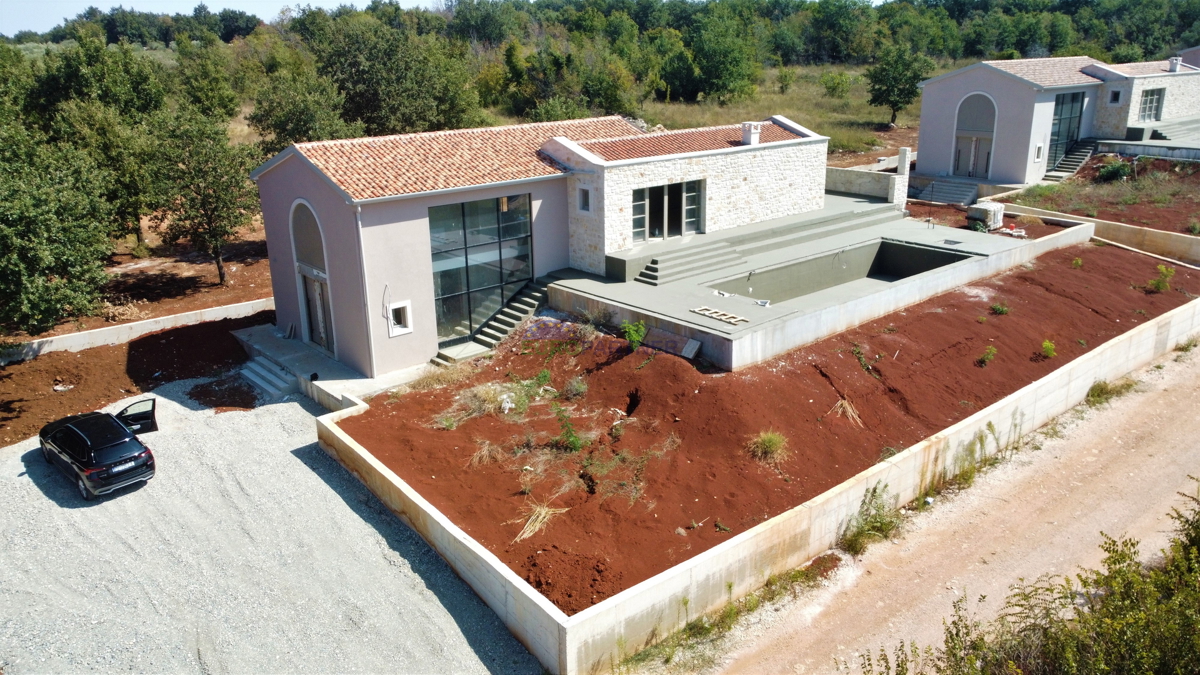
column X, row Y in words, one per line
column 973, row 137
column 312, row 277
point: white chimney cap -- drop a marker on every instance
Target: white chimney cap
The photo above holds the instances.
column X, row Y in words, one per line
column 751, row 132
column 1173, row 66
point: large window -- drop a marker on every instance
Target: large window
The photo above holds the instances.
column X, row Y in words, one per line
column 667, row 210
column 1151, row 107
column 482, row 257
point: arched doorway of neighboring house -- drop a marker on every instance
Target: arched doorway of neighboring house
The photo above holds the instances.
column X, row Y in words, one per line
column 973, row 137
column 312, row 278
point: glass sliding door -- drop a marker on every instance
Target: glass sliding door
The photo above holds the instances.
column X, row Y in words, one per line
column 1064, row 129
column 665, row 211
column 482, row 257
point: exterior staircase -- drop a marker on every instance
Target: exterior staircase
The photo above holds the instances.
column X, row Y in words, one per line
column 1187, row 128
column 269, row 378
column 947, row 192
column 704, row 258
column 1080, row 153
column 498, row 327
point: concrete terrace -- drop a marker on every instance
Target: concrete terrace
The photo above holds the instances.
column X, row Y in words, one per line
column 665, row 282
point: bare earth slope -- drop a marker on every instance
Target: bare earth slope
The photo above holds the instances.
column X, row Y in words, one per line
column 1116, row 470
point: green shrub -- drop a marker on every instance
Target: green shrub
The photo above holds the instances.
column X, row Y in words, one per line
column 836, row 84
column 785, row 79
column 768, row 446
column 635, row 333
column 999, row 309
column 1194, row 226
column 542, row 379
column 877, row 519
column 576, row 388
column 1163, row 282
column 988, row 355
column 1048, row 349
column 567, row 440
column 1103, row 391
column 1115, row 171
column 1077, row 263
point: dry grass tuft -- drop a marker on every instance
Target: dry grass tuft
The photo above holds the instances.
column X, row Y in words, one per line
column 436, row 376
column 768, row 446
column 487, row 453
column 536, row 517
column 846, row 408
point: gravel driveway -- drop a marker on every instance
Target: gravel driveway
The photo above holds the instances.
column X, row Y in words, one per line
column 251, row 551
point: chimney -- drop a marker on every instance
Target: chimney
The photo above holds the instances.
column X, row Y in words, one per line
column 1174, row 62
column 750, row 132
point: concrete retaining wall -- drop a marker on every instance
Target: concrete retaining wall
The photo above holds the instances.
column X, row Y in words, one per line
column 890, row 186
column 126, row 332
column 1174, row 245
column 1164, row 149
column 599, row 637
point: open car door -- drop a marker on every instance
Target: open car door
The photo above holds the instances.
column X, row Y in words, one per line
column 139, row 417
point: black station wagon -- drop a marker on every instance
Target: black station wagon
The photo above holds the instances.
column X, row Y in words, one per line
column 99, row 451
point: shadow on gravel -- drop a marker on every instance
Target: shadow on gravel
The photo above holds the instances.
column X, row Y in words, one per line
column 59, row 488
column 496, row 648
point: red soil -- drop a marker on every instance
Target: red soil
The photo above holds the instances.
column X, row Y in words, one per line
column 101, row 375
column 679, row 481
column 890, row 142
column 229, row 393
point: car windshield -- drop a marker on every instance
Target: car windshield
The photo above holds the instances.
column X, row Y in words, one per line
column 119, row 451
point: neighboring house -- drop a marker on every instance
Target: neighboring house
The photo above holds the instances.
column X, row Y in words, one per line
column 1191, row 56
column 383, row 250
column 1013, row 121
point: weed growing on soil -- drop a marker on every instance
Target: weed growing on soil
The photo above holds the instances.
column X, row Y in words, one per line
column 1048, row 349
column 1103, row 391
column 1082, row 343
column 981, row 319
column 568, row 440
column 536, row 517
column 845, row 408
column 722, row 528
column 706, row 629
column 436, row 376
column 999, row 309
column 1194, row 226
column 876, row 520
column 768, row 446
column 890, row 329
column 447, row 422
column 986, row 358
column 635, row 333
column 1162, row 283
column 596, row 319
column 576, row 388
column 856, row 349
column 486, row 454
column 1185, row 347
column 888, row 453
column 1077, row 263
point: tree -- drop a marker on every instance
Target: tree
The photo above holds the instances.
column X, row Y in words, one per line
column 53, row 229
column 892, row 81
column 204, row 76
column 207, row 193
column 725, row 59
column 299, row 106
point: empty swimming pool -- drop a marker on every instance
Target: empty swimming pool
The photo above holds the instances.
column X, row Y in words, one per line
column 881, row 261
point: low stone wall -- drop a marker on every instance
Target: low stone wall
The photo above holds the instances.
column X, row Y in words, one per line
column 599, row 637
column 890, row 186
column 126, row 332
column 1174, row 245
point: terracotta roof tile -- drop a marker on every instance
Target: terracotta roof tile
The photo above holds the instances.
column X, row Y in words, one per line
column 388, row 166
column 1050, row 72
column 686, row 140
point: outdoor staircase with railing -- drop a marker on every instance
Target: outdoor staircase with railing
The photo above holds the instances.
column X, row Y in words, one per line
column 946, row 192
column 1079, row 154
column 269, row 378
column 499, row 324
column 702, row 258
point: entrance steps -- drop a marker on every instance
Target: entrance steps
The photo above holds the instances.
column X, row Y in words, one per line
column 734, row 250
column 1080, row 153
column 947, row 192
column 269, row 377
column 499, row 325
column 1188, row 128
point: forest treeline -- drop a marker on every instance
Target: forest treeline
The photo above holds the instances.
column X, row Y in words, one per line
column 116, row 117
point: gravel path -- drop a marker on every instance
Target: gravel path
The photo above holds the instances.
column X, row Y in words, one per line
column 1116, row 469
column 250, row 551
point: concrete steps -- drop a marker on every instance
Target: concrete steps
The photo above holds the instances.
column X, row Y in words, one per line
column 1177, row 129
column 947, row 192
column 269, row 378
column 1080, row 153
column 825, row 230
column 676, row 265
column 497, row 327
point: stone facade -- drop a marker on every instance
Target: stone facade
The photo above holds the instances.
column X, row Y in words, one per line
column 741, row 186
column 1110, row 121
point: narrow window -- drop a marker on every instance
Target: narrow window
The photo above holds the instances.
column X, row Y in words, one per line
column 691, row 207
column 639, row 214
column 1114, row 97
column 399, row 318
column 1037, row 153
column 585, row 200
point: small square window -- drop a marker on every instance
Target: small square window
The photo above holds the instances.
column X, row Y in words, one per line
column 399, row 318
column 1037, row 153
column 585, row 200
column 1114, row 97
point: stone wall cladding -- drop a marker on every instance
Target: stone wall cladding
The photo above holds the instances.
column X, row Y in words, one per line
column 1111, row 120
column 1182, row 96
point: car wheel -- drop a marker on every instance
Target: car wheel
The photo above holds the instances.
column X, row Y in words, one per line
column 46, row 455
column 83, row 490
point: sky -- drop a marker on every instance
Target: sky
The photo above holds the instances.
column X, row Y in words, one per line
column 42, row 15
